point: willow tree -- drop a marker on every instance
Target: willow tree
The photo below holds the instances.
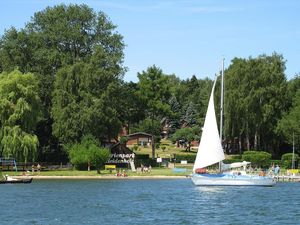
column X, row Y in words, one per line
column 19, row 114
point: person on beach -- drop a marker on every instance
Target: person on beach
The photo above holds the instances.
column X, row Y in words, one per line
column 38, row 168
column 32, row 168
column 276, row 170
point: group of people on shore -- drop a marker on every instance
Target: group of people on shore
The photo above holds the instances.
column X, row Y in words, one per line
column 275, row 170
column 121, row 173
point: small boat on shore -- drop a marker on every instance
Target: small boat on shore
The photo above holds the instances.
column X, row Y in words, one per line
column 11, row 180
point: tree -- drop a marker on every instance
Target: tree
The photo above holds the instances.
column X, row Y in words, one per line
column 287, row 160
column 132, row 107
column 154, row 91
column 189, row 118
column 19, row 114
column 288, row 127
column 255, row 101
column 58, row 37
column 149, row 126
column 173, row 121
column 99, row 156
column 88, row 153
column 85, row 101
column 187, row 134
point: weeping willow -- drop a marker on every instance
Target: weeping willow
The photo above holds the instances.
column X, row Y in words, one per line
column 19, row 114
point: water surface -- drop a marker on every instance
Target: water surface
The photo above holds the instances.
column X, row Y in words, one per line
column 146, row 202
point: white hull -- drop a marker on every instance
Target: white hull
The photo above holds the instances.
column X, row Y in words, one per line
column 229, row 180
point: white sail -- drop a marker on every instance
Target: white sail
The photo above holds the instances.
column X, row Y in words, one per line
column 210, row 150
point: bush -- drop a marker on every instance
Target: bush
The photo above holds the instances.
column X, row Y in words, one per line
column 189, row 158
column 257, row 158
column 87, row 154
column 135, row 148
column 286, row 160
column 233, row 159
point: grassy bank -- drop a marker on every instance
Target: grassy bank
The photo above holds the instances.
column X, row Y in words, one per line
column 166, row 150
column 154, row 172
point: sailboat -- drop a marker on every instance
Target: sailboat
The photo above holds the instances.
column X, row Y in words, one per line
column 210, row 152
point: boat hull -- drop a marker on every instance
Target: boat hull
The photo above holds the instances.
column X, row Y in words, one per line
column 17, row 181
column 230, row 180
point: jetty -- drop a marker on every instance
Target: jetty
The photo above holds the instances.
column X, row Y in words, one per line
column 295, row 178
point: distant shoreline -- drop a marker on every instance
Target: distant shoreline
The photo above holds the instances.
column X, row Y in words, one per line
column 102, row 177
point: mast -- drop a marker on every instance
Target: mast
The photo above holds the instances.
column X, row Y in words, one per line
column 222, row 101
column 221, row 108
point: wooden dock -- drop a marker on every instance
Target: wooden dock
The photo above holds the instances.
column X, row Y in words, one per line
column 292, row 178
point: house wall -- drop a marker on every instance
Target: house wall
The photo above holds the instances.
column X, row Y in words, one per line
column 139, row 140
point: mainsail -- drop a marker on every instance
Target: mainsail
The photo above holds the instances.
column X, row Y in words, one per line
column 210, row 150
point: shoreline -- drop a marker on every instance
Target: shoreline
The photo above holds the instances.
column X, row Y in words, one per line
column 102, row 177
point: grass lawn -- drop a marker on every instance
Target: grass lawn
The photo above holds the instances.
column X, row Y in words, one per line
column 166, row 150
column 157, row 171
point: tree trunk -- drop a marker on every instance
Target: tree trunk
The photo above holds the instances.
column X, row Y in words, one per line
column 89, row 166
column 153, row 147
column 240, row 144
column 256, row 141
column 248, row 141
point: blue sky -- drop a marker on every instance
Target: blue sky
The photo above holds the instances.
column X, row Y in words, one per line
column 188, row 37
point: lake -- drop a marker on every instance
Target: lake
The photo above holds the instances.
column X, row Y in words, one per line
column 170, row 201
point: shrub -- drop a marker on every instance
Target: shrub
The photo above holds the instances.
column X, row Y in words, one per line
column 87, row 154
column 286, row 160
column 189, row 158
column 257, row 158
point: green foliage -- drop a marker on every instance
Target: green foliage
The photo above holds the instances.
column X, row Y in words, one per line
column 78, row 156
column 88, row 153
column 289, row 126
column 187, row 134
column 154, row 92
column 135, row 148
column 57, row 39
column 149, row 126
column 123, row 139
column 286, row 160
column 257, row 158
column 233, row 159
column 255, row 100
column 98, row 156
column 189, row 157
column 133, row 108
column 19, row 114
column 189, row 118
column 173, row 121
column 85, row 101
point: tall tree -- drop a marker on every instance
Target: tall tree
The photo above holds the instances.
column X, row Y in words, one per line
column 132, row 107
column 85, row 101
column 255, row 100
column 289, row 126
column 155, row 92
column 57, row 37
column 19, row 114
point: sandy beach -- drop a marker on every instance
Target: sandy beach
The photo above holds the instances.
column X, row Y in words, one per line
column 102, row 177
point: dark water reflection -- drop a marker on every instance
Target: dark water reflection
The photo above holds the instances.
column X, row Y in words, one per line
column 147, row 202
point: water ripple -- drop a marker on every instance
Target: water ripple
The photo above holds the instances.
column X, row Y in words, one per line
column 147, row 202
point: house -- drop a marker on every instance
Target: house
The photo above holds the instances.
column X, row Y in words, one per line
column 139, row 138
column 121, row 156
